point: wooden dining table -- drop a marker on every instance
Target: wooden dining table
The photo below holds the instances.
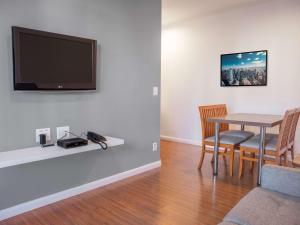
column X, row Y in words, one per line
column 263, row 121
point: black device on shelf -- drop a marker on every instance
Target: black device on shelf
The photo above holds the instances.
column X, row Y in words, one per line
column 97, row 138
column 72, row 142
column 43, row 139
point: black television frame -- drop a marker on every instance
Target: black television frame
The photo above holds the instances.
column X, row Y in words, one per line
column 262, row 85
column 19, row 86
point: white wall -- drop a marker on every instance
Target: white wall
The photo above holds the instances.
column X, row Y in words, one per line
column 191, row 52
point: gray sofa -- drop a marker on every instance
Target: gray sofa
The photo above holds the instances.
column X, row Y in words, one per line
column 276, row 202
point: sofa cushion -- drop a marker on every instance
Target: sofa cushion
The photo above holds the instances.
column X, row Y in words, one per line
column 264, row 207
column 285, row 180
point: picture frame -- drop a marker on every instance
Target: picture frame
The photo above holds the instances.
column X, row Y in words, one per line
column 244, row 69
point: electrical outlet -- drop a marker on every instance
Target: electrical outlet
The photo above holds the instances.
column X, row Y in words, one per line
column 154, row 147
column 42, row 131
column 62, row 132
column 155, row 91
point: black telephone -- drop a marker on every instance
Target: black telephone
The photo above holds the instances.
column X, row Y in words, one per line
column 97, row 138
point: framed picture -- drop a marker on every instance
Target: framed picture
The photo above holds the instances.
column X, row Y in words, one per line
column 244, row 69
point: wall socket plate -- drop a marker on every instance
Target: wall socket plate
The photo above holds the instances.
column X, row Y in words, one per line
column 62, row 132
column 154, row 147
column 46, row 131
column 155, row 91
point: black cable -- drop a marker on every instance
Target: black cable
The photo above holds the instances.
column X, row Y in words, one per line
column 75, row 135
column 102, row 144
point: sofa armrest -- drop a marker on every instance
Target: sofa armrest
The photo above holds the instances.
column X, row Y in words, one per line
column 281, row 179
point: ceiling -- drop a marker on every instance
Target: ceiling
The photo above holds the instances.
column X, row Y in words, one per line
column 176, row 10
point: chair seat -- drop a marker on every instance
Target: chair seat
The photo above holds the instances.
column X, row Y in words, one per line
column 227, row 139
column 238, row 133
column 270, row 142
column 271, row 136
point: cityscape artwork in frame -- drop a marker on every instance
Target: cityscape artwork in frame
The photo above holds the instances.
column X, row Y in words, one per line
column 244, row 69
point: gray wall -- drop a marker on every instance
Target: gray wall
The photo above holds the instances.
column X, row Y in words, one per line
column 128, row 34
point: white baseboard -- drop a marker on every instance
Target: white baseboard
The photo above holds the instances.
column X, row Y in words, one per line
column 180, row 140
column 37, row 203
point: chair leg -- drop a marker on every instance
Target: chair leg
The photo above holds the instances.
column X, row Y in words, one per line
column 231, row 161
column 225, row 151
column 278, row 160
column 241, row 166
column 201, row 157
column 252, row 162
column 292, row 152
column 285, row 159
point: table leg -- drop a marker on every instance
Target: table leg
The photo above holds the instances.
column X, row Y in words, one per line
column 216, row 148
column 261, row 152
column 242, row 127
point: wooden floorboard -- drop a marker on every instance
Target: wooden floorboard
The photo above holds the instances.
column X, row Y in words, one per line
column 177, row 193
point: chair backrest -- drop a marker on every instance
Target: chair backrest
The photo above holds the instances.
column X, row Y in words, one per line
column 283, row 138
column 294, row 127
column 208, row 111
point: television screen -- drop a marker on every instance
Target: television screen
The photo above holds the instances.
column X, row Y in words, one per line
column 50, row 61
column 244, row 69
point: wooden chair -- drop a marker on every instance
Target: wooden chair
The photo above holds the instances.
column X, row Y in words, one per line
column 293, row 132
column 229, row 139
column 275, row 148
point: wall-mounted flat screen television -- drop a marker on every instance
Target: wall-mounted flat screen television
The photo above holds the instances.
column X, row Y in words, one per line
column 50, row 61
column 244, row 69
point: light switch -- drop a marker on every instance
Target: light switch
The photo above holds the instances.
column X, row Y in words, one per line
column 154, row 147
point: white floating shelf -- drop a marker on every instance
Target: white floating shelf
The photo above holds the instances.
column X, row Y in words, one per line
column 28, row 155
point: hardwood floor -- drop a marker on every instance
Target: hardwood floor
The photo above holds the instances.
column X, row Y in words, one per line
column 177, row 193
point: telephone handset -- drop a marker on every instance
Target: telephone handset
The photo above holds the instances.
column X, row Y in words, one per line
column 97, row 138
